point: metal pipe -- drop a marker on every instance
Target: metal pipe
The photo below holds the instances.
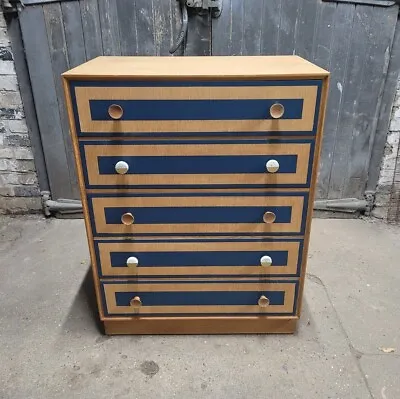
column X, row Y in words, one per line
column 348, row 205
column 62, row 205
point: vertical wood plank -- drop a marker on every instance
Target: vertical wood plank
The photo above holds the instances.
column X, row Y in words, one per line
column 145, row 27
column 305, row 28
column 252, row 27
column 127, row 27
column 91, row 28
column 351, row 93
column 231, row 21
column 382, row 25
column 44, row 92
column 72, row 19
column 338, row 62
column 222, row 31
column 199, row 34
column 237, row 27
column 25, row 87
column 163, row 29
column 270, row 27
column 59, row 64
column 323, row 34
column 109, row 27
column 287, row 27
column 321, row 56
column 385, row 111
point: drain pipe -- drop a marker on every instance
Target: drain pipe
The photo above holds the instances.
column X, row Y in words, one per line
column 61, row 206
column 347, row 205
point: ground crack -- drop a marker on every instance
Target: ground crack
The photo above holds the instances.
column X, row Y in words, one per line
column 357, row 354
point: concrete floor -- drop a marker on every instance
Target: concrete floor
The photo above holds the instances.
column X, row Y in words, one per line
column 50, row 345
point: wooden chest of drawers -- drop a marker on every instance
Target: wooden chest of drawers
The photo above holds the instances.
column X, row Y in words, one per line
column 197, row 179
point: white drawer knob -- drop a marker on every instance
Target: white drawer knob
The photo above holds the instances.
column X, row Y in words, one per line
column 263, row 302
column 272, row 166
column 136, row 302
column 132, row 261
column 121, row 167
column 266, row 260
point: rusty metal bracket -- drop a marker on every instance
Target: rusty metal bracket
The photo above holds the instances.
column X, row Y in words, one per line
column 201, row 7
column 377, row 3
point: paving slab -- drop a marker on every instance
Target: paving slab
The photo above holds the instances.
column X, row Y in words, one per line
column 359, row 264
column 382, row 375
column 51, row 347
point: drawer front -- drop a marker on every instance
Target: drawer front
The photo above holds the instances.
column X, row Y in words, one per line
column 200, row 163
column 209, row 298
column 256, row 213
column 152, row 108
column 251, row 257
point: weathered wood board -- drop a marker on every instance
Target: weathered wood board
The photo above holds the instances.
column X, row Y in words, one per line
column 354, row 42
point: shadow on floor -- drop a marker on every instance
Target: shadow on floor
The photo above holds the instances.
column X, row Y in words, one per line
column 83, row 313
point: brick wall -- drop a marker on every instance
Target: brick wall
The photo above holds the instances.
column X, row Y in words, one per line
column 388, row 166
column 19, row 191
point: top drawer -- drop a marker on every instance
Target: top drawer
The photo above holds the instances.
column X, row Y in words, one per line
column 163, row 108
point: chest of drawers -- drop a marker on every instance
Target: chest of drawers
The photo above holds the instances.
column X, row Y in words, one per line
column 197, row 178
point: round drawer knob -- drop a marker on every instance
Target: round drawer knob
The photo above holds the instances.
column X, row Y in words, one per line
column 121, row 167
column 132, row 261
column 115, row 111
column 136, row 302
column 266, row 260
column 277, row 110
column 127, row 219
column 269, row 217
column 263, row 302
column 272, row 166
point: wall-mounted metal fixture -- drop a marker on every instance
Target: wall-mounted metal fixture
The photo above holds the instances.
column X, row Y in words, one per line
column 201, row 7
column 11, row 7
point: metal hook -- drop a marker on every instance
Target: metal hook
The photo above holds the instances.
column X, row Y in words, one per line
column 184, row 27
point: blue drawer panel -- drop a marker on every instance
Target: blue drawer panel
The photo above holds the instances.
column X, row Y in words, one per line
column 194, row 109
column 202, row 257
column 208, row 259
column 199, row 297
column 187, row 214
column 186, row 108
column 197, row 163
column 198, row 213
